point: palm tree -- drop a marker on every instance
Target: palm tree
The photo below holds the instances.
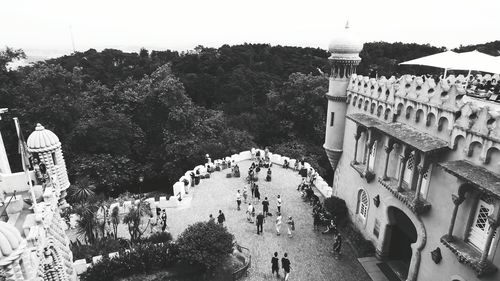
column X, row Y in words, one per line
column 81, row 192
column 134, row 220
column 87, row 224
column 115, row 220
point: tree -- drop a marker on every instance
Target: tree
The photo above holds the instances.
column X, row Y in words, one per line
column 133, row 219
column 82, row 192
column 87, row 224
column 205, row 244
column 115, row 220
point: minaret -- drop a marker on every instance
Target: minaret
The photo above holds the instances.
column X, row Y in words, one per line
column 343, row 61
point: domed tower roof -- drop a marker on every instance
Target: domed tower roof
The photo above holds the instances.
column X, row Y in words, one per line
column 42, row 140
column 10, row 239
column 345, row 47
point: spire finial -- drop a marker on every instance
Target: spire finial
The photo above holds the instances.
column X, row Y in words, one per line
column 347, row 24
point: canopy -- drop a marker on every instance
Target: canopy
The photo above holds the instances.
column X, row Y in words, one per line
column 473, row 60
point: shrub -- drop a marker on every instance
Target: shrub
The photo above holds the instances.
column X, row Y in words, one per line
column 158, row 237
column 142, row 259
column 101, row 246
column 337, row 209
column 205, row 244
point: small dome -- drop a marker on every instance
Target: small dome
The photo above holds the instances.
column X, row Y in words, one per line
column 346, row 45
column 42, row 139
column 10, row 239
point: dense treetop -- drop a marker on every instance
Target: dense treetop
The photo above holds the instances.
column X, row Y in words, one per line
column 121, row 115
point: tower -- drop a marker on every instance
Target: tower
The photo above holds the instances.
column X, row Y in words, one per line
column 46, row 145
column 343, row 61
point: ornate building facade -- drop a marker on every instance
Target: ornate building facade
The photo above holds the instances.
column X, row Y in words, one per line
column 33, row 243
column 418, row 164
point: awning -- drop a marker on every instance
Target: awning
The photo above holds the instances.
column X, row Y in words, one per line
column 402, row 132
column 479, row 177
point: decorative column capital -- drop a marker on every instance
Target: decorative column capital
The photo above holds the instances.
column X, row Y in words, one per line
column 357, row 136
column 388, row 148
column 457, row 200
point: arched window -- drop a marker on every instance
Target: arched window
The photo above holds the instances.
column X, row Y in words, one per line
column 362, row 204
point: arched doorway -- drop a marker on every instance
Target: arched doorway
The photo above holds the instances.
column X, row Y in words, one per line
column 403, row 234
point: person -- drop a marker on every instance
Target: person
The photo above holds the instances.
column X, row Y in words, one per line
column 245, row 195
column 316, row 219
column 252, row 189
column 290, row 226
column 250, row 212
column 238, row 199
column 286, row 165
column 221, row 218
column 296, row 166
column 257, row 192
column 260, row 222
column 285, row 264
column 331, row 228
column 278, row 224
column 268, row 177
column 257, row 154
column 158, row 214
column 275, row 267
column 265, row 206
column 211, row 218
column 252, row 151
column 278, row 204
column 236, row 170
column 337, row 244
column 164, row 220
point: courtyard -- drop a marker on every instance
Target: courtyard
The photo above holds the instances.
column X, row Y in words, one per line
column 309, row 251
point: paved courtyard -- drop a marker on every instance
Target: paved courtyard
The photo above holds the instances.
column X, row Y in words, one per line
column 308, row 250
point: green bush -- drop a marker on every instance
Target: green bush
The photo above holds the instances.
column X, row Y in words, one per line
column 337, row 210
column 142, row 259
column 158, row 237
column 101, row 246
column 205, row 244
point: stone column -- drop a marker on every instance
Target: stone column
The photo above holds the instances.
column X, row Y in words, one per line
column 404, row 159
column 368, row 150
column 388, row 148
column 356, row 137
column 457, row 200
column 422, row 168
column 493, row 226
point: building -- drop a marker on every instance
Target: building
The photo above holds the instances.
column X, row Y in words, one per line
column 419, row 169
column 33, row 243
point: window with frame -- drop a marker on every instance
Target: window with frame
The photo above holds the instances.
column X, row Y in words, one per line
column 410, row 163
column 480, row 227
column 425, row 181
column 362, row 204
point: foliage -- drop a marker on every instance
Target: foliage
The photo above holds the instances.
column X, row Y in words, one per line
column 81, row 192
column 362, row 246
column 205, row 244
column 144, row 258
column 158, row 237
column 87, row 224
column 337, row 208
column 101, row 246
column 134, row 220
column 115, row 220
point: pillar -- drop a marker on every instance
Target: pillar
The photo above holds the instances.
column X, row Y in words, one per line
column 491, row 232
column 356, row 137
column 457, row 200
column 388, row 148
column 403, row 159
column 422, row 168
column 368, row 150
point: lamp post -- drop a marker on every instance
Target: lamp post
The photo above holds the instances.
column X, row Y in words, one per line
column 141, row 180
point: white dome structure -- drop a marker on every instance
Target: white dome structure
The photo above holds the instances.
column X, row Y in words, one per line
column 42, row 140
column 10, row 239
column 345, row 46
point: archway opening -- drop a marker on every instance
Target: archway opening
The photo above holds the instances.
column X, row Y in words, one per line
column 402, row 233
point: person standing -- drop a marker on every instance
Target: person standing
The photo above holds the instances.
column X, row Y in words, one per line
column 245, row 195
column 291, row 226
column 265, row 206
column 211, row 218
column 250, row 212
column 260, row 222
column 221, row 218
column 164, row 220
column 278, row 224
column 275, row 265
column 337, row 245
column 252, row 188
column 238, row 199
column 257, row 192
column 285, row 264
column 278, row 203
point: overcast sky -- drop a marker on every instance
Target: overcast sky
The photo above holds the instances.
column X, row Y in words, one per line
column 184, row 24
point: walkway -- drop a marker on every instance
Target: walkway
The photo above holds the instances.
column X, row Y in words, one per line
column 308, row 250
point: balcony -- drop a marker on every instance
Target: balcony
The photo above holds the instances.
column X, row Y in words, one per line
column 406, row 196
column 468, row 255
column 361, row 169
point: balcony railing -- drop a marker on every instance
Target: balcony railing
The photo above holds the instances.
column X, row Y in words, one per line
column 407, row 196
column 362, row 171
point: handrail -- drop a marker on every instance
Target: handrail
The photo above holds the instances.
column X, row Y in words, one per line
column 3, row 213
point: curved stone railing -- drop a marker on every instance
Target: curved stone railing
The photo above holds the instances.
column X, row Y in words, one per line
column 242, row 271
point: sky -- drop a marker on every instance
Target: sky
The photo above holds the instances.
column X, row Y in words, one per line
column 184, row 24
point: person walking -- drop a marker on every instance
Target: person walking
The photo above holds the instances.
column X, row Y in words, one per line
column 278, row 224
column 257, row 192
column 337, row 245
column 252, row 188
column 275, row 265
column 278, row 203
column 285, row 264
column 291, row 226
column 250, row 212
column 245, row 195
column 164, row 220
column 260, row 222
column 221, row 218
column 238, row 199
column 265, row 206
